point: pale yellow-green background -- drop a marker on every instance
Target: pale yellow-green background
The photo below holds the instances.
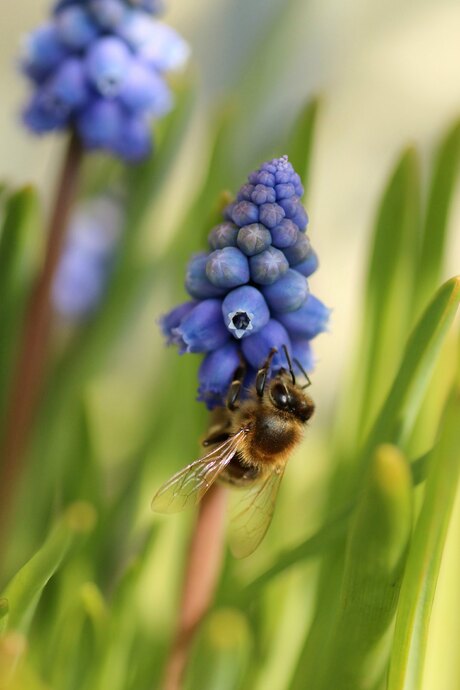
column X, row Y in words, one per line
column 389, row 74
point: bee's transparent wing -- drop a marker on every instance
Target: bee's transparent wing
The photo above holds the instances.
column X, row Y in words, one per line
column 252, row 512
column 188, row 486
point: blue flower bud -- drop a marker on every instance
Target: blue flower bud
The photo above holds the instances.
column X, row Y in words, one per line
column 136, row 29
column 245, row 212
column 263, row 194
column 262, row 177
column 100, row 124
column 197, row 282
column 302, row 351
column 227, row 211
column 297, row 182
column 108, row 63
column 245, row 192
column 40, row 118
column 307, row 321
column 223, row 235
column 253, row 238
column 152, row 6
column 284, row 191
column 268, row 266
column 87, row 258
column 145, row 90
column 299, row 251
column 309, row 265
column 294, row 210
column 271, row 214
column 78, row 286
column 256, row 347
column 75, row 27
column 42, row 52
column 245, row 311
column 284, row 234
column 108, row 13
column 288, row 293
column 284, row 169
column 216, row 374
column 172, row 319
column 203, row 329
column 270, row 166
column 135, row 142
column 227, row 268
column 67, row 88
column 166, row 50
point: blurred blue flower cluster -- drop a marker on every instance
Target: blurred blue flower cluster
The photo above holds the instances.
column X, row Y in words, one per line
column 250, row 291
column 98, row 66
column 86, row 262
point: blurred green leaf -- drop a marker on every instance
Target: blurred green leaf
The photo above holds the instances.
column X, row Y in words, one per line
column 18, row 254
column 375, row 558
column 419, row 584
column 222, row 652
column 389, row 285
column 26, row 587
column 442, row 186
column 301, row 138
column 393, row 425
column 399, row 410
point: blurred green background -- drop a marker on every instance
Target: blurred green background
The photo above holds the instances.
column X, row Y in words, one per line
column 387, row 76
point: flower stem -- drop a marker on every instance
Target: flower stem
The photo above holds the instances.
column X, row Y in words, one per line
column 30, row 368
column 201, row 575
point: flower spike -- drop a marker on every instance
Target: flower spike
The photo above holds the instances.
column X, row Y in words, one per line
column 250, row 287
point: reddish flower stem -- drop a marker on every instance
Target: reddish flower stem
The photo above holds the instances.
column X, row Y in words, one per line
column 201, row 576
column 30, row 369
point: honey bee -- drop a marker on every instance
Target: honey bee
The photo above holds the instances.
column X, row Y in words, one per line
column 250, row 447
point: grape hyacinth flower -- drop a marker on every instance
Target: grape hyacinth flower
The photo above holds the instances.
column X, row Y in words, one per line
column 98, row 68
column 249, row 291
column 86, row 262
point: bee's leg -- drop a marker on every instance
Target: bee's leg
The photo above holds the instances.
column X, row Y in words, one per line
column 296, row 361
column 261, row 378
column 236, row 386
column 288, row 359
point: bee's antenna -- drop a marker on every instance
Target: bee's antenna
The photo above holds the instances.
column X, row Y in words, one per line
column 288, row 358
column 296, row 361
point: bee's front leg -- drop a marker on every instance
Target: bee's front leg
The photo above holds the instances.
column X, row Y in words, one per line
column 262, row 374
column 235, row 387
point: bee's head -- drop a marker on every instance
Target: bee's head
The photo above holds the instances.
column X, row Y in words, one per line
column 288, row 397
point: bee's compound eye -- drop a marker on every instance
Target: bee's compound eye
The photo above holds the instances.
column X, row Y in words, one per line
column 279, row 395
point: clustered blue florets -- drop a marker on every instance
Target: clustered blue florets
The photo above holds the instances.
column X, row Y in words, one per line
column 250, row 292
column 98, row 66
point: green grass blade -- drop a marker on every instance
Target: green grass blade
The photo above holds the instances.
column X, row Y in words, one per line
column 442, row 187
column 389, row 285
column 26, row 587
column 376, row 553
column 393, row 425
column 397, row 417
column 419, row 584
column 301, row 138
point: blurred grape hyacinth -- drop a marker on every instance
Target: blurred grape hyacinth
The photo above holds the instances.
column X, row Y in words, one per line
column 86, row 262
column 98, row 67
column 250, row 290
